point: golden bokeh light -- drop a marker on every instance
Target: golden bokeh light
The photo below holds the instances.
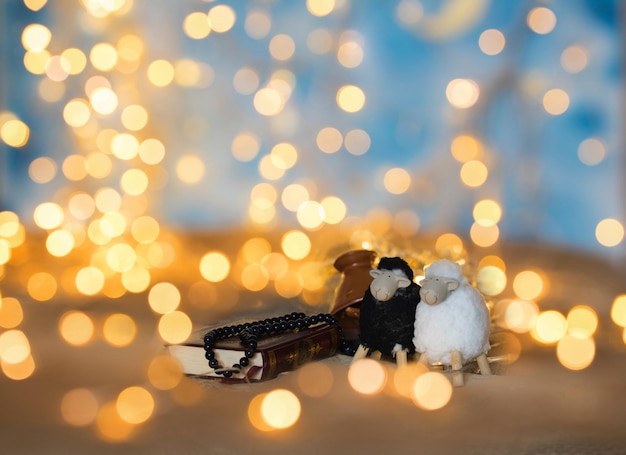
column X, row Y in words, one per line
column 42, row 286
column 18, row 371
column 315, row 379
column 550, row 326
column 89, row 280
column 449, row 246
column 76, row 59
column 295, row 244
column 618, row 310
column 350, row 98
column 196, row 25
column 245, row 146
column 367, row 376
column 254, row 277
column 466, row 148
column 357, row 142
column 575, row 352
column 161, row 73
column 516, row 315
column 215, row 266
column 431, row 391
column 397, row 180
column 36, row 37
column 119, row 330
column 591, row 151
column 574, row 59
column 164, row 297
column 462, row 93
column 282, row 47
column 329, row 140
column 60, row 243
column 528, row 285
column 268, row 102
column 246, row 81
column 350, row 54
column 541, row 20
column 258, row 23
column 110, row 426
column 15, row 133
column 35, row 5
column 293, row 196
column 103, row 57
column 491, row 42
column 190, row 169
column 175, row 327
column 103, row 100
column 165, row 372
column 74, row 167
column 320, row 8
column 255, row 416
column 491, row 280
column 76, row 328
column 334, row 209
column 284, row 155
column 151, row 151
column 9, row 224
column 135, row 404
column 556, row 101
column 255, row 249
column 134, row 117
column 474, row 173
column 11, row 313
column 289, row 284
column 484, row 236
column 609, row 232
column 310, row 214
column 79, row 407
column 403, row 379
column 222, row 18
column 14, row 347
column 35, row 61
column 42, row 169
column 487, row 212
column 280, row 409
column 125, row 146
column 582, row 321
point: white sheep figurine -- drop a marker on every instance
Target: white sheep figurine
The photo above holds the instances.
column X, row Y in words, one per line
column 451, row 321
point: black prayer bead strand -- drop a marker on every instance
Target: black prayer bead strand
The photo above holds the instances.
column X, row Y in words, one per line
column 249, row 332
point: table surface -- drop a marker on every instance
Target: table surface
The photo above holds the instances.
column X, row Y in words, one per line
column 535, row 406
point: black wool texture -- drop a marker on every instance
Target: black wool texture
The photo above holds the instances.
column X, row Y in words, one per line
column 382, row 325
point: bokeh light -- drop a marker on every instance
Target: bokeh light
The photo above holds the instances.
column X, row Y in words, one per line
column 280, row 408
column 432, row 391
column 367, row 376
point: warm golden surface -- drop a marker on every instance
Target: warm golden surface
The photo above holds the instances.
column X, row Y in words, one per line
column 107, row 396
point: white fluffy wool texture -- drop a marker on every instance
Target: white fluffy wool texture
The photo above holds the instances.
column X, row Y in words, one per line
column 459, row 323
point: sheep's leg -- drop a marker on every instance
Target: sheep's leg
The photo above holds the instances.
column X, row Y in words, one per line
column 376, row 355
column 360, row 353
column 423, row 360
column 483, row 363
column 401, row 358
column 457, row 363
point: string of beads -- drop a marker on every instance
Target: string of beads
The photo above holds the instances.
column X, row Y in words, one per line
column 249, row 332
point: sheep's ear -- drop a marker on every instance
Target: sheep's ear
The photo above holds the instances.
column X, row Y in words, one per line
column 403, row 282
column 452, row 284
column 375, row 273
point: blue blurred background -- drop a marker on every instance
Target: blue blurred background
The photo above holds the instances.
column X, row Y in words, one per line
column 539, row 112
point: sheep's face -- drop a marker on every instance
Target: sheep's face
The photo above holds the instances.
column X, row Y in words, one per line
column 435, row 290
column 386, row 282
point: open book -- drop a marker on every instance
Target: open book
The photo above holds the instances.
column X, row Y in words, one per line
column 275, row 354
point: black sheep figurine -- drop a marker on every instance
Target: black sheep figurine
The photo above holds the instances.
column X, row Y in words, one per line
column 387, row 316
